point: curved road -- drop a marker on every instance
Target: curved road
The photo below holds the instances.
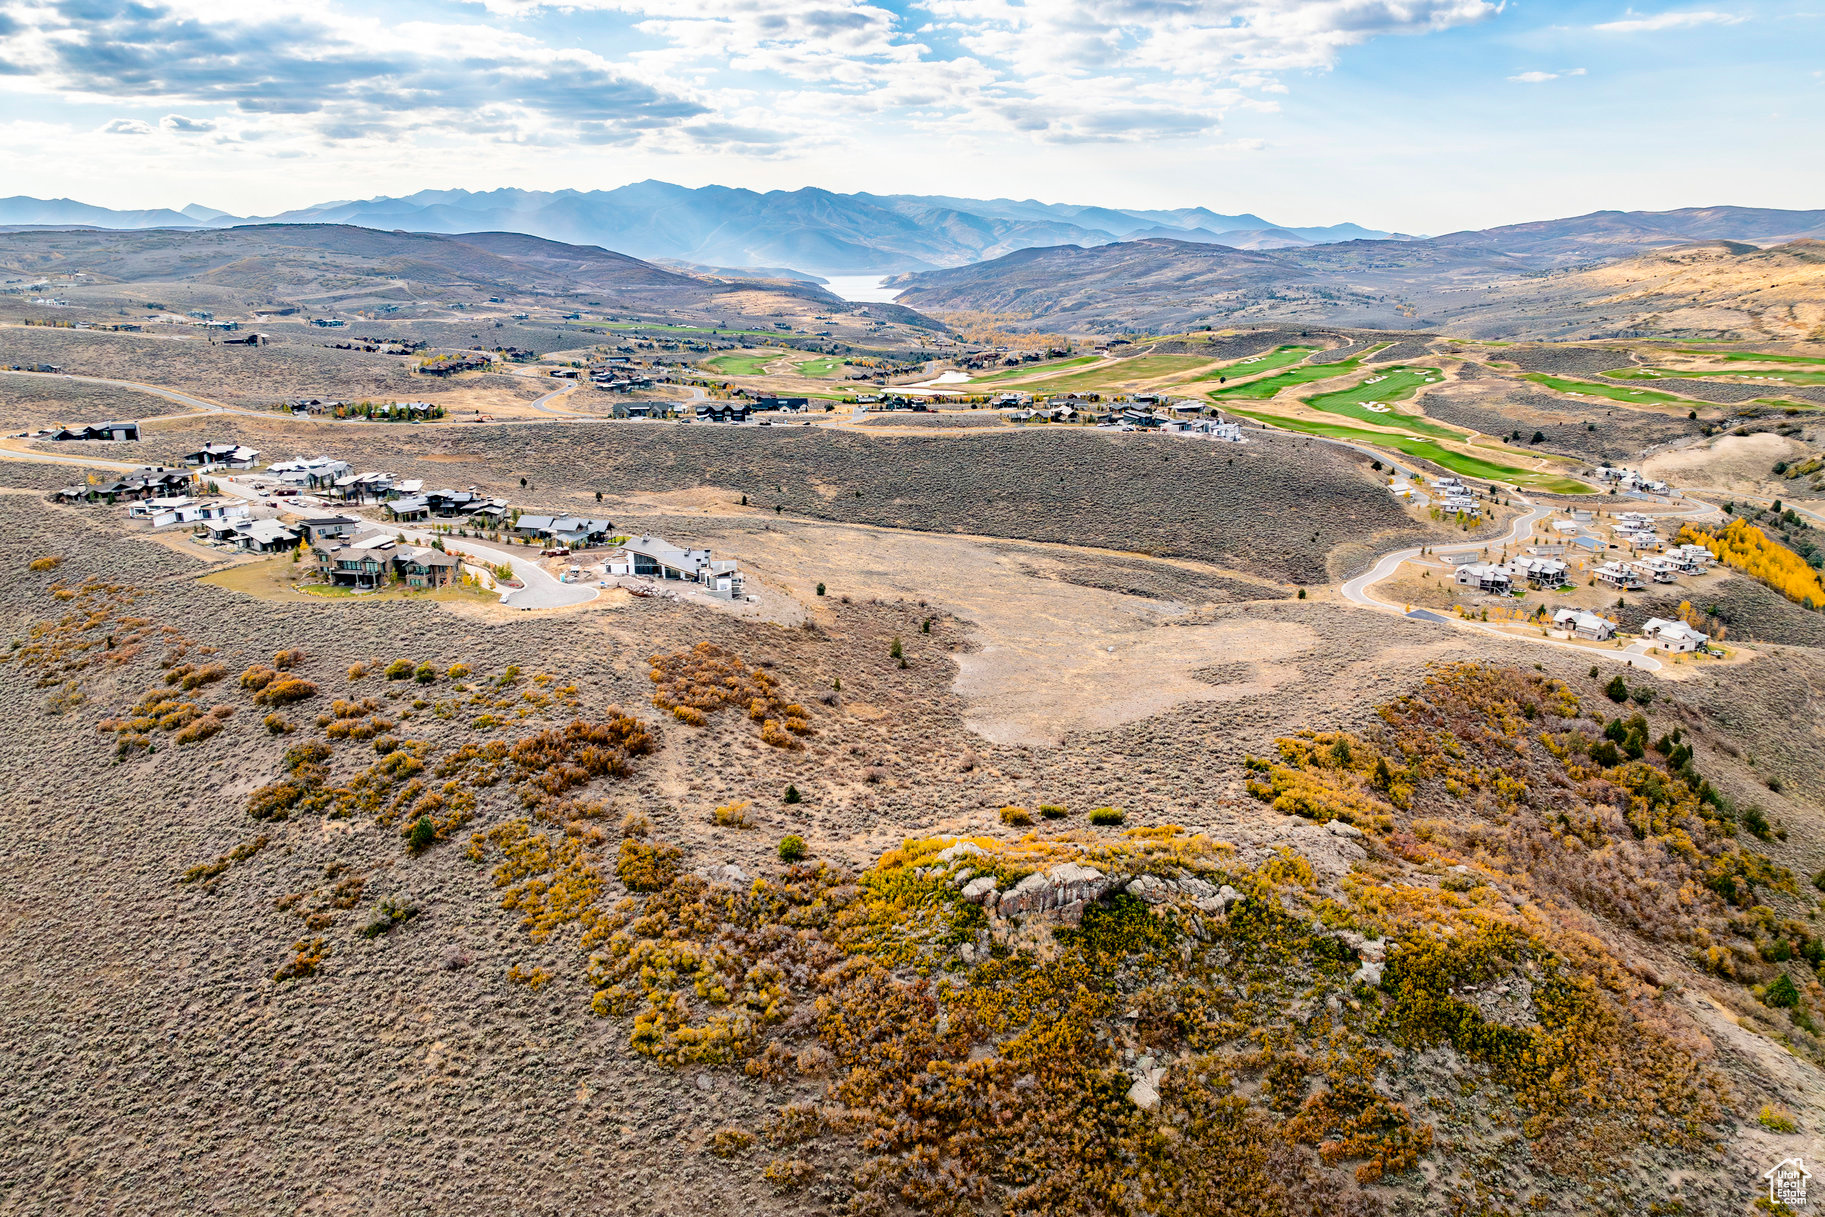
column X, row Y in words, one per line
column 1357, row 591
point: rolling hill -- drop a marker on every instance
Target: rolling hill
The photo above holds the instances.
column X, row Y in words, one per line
column 1527, row 281
column 344, row 266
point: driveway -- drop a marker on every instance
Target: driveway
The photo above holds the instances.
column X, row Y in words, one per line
column 542, row 590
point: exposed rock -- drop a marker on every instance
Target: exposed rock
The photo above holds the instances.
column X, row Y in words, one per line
column 1144, row 1096
column 978, row 889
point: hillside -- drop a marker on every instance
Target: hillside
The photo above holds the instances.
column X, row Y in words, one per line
column 1481, row 289
column 343, row 266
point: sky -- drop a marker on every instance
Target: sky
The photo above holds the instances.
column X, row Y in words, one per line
column 1416, row 116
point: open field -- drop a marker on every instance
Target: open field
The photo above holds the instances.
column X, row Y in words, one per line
column 1756, row 357
column 824, row 367
column 36, row 401
column 292, row 366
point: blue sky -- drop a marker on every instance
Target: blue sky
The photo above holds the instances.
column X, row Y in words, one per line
column 1411, row 115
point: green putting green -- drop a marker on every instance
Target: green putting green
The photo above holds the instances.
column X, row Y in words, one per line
column 827, row 366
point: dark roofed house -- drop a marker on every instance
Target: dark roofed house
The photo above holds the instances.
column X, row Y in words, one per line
column 317, row 527
column 429, row 568
column 122, row 432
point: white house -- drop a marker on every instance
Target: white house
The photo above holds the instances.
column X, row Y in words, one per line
column 1539, row 571
column 1674, row 636
column 1485, row 576
column 1662, row 568
column 1620, row 575
column 1692, row 559
column 1585, row 624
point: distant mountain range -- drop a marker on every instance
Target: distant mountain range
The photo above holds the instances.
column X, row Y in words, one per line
column 809, row 230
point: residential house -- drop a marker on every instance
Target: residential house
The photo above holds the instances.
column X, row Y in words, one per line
column 722, row 412
column 316, row 528
column 450, row 503
column 225, row 456
column 264, row 536
column 361, row 561
column 145, row 483
column 315, row 473
column 163, row 513
column 1692, row 559
column 1622, row 576
column 1660, row 567
column 1540, row 571
column 428, row 568
column 657, row 558
column 122, row 432
column 1485, row 576
column 1585, row 624
column 362, row 487
column 409, row 507
column 1675, row 636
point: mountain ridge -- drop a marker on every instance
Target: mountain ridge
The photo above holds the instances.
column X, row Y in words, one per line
column 809, row 229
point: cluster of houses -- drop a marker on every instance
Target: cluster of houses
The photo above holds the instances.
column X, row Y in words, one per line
column 1628, row 479
column 1454, row 497
column 162, row 498
column 737, row 410
column 1142, row 412
column 1676, row 637
column 1660, row 568
column 1501, row 577
column 149, row 482
column 1540, row 569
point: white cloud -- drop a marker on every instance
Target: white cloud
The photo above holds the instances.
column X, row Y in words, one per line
column 1536, row 77
column 127, row 126
column 1637, row 23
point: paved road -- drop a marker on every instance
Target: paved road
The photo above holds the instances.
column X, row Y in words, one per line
column 1359, row 590
column 541, row 590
